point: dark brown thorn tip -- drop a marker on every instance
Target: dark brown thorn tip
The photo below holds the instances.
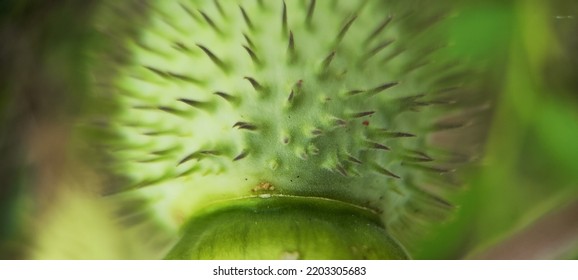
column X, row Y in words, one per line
column 249, row 41
column 253, row 56
column 213, row 57
column 362, row 114
column 246, row 18
column 184, row 78
column 345, row 28
column 291, row 47
column 256, row 85
column 340, row 122
column 386, row 172
column 339, row 167
column 401, row 134
column 194, row 103
column 310, row 11
column 284, row 18
column 374, row 145
column 377, row 49
column 210, row 22
column 355, row 92
column 189, row 12
column 354, row 159
column 181, row 47
column 327, row 61
column 225, row 96
column 198, row 155
column 187, row 158
column 433, row 169
column 242, row 155
column 377, row 30
column 170, row 110
column 220, row 8
column 158, row 72
column 417, row 159
column 382, row 88
column 290, row 98
column 245, row 125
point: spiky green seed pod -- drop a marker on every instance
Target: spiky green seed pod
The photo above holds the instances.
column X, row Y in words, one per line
column 264, row 103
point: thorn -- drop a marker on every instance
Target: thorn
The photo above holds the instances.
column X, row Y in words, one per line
column 340, row 122
column 220, row 8
column 211, row 22
column 310, row 11
column 153, row 159
column 182, row 47
column 254, row 57
column 327, row 61
column 345, row 28
column 377, row 49
column 254, row 83
column 189, row 171
column 147, row 48
column 213, row 57
column 418, row 159
column 156, row 133
column 291, row 48
column 384, row 171
column 226, row 96
column 339, row 167
column 284, row 18
column 246, row 18
column 245, row 125
column 382, row 88
column 438, row 200
column 395, row 53
column 362, row 114
column 354, row 92
column 194, row 103
column 390, row 134
column 316, row 132
column 290, row 99
column 312, row 149
column 354, row 159
column 242, row 155
column 158, row 72
column 184, row 78
column 378, row 29
column 170, row 110
column 400, row 134
column 189, row 12
column 438, row 170
column 198, row 155
column 422, row 155
column 249, row 41
column 374, row 145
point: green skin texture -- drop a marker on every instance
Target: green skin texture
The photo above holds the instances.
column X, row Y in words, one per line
column 218, row 100
column 286, row 228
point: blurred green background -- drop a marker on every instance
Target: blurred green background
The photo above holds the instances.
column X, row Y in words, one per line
column 520, row 200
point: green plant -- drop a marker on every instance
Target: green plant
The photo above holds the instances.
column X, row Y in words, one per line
column 277, row 107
